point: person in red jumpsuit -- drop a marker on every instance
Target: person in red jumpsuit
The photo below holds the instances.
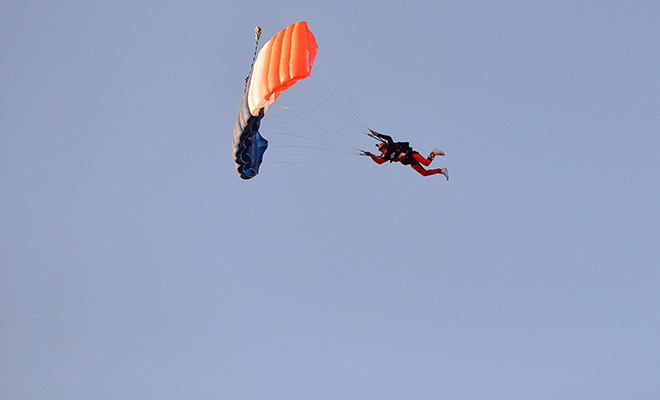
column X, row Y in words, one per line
column 402, row 152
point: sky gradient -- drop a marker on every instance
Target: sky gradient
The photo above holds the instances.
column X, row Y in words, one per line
column 136, row 264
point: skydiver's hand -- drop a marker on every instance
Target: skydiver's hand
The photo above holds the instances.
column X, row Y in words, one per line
column 366, row 153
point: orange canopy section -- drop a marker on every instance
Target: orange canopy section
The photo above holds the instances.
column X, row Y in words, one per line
column 289, row 56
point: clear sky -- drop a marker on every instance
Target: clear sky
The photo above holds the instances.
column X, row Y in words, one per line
column 136, row 264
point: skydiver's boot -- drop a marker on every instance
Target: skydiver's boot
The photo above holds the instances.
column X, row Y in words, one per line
column 436, row 152
column 444, row 172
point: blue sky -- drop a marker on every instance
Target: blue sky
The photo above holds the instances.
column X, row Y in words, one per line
column 135, row 263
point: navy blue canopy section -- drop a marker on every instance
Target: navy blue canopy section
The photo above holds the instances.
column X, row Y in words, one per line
column 248, row 144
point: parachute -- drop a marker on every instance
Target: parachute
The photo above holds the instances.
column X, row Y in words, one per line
column 286, row 58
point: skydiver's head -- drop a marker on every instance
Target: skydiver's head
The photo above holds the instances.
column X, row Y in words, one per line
column 382, row 147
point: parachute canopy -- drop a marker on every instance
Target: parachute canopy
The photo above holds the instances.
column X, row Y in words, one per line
column 282, row 61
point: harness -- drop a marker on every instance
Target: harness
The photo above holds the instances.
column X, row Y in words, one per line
column 396, row 149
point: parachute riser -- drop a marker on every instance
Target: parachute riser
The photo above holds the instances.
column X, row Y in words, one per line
column 372, row 135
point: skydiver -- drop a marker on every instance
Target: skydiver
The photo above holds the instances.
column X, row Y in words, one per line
column 402, row 152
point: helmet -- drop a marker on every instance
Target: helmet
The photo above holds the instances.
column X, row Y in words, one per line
column 382, row 147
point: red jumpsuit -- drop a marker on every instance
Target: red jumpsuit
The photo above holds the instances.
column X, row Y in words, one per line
column 418, row 158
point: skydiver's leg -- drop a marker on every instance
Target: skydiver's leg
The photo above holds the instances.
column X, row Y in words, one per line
column 422, row 160
column 426, row 172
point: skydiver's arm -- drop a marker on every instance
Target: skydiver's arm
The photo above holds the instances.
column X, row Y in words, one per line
column 377, row 160
column 385, row 137
column 390, row 142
